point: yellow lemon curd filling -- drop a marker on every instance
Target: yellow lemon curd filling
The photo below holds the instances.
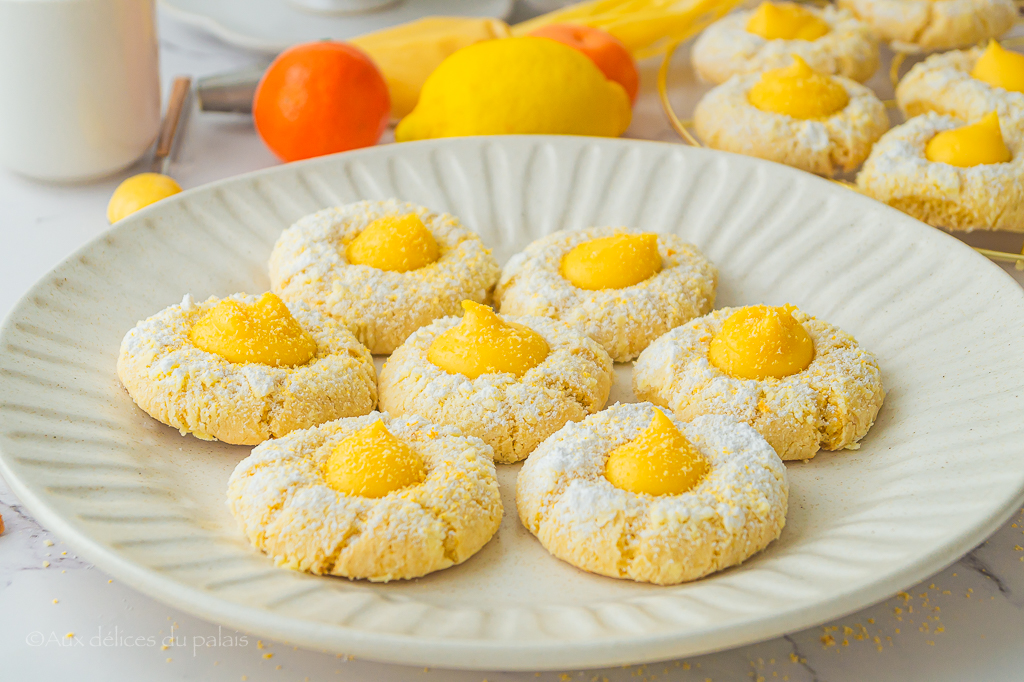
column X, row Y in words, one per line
column 1000, row 67
column 483, row 343
column 660, row 461
column 761, row 341
column 785, row 21
column 396, row 243
column 970, row 145
column 799, row 91
column 615, row 262
column 372, row 463
column 263, row 332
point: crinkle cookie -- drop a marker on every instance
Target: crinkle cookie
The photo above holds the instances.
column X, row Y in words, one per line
column 281, row 500
column 726, row 48
column 202, row 393
column 624, row 321
column 381, row 307
column 830, row 404
column 943, row 84
column 725, row 119
column 510, row 414
column 926, row 25
column 983, row 197
column 735, row 511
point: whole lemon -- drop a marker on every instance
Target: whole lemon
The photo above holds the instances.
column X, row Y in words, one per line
column 139, row 191
column 515, row 86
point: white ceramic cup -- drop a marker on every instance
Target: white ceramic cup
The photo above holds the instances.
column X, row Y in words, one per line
column 79, row 86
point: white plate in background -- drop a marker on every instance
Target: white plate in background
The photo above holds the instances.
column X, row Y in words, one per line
column 273, row 25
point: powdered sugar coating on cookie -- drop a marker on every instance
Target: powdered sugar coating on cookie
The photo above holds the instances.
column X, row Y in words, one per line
column 282, row 503
column 727, row 48
column 380, row 307
column 725, row 119
column 203, row 394
column 982, row 197
column 511, row 415
column 831, row 404
column 624, row 321
column 916, row 25
column 943, row 84
column 565, row 500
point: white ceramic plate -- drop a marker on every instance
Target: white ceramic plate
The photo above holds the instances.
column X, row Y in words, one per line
column 273, row 25
column 941, row 469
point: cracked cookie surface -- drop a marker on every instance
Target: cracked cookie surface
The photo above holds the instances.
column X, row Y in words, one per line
column 201, row 393
column 727, row 48
column 280, row 499
column 725, row 119
column 510, row 414
column 309, row 264
column 735, row 511
column 943, row 84
column 831, row 404
column 982, row 197
column 925, row 25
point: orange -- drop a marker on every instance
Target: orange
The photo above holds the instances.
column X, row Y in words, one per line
column 604, row 49
column 320, row 98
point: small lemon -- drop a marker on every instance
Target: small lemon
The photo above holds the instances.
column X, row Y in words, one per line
column 139, row 191
column 517, row 86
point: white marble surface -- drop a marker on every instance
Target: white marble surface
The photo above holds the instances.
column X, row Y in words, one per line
column 59, row 616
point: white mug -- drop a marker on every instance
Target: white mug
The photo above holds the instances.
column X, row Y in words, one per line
column 79, row 86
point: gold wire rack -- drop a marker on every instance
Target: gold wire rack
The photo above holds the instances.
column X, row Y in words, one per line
column 681, row 126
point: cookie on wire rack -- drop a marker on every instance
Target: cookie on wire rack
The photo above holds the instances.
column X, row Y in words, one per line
column 846, row 46
column 927, row 25
column 952, row 83
column 981, row 196
column 819, row 140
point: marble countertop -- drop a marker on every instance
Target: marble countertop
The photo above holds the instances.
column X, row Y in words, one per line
column 60, row 616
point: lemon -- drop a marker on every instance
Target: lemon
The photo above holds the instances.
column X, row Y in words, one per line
column 139, row 191
column 408, row 53
column 517, row 85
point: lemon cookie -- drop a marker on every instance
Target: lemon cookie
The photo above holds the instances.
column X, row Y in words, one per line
column 243, row 369
column 793, row 115
column 967, row 84
column 926, row 25
column 950, row 174
column 384, row 267
column 829, row 40
column 802, row 383
column 621, row 287
column 368, row 497
column 510, row 381
column 633, row 493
